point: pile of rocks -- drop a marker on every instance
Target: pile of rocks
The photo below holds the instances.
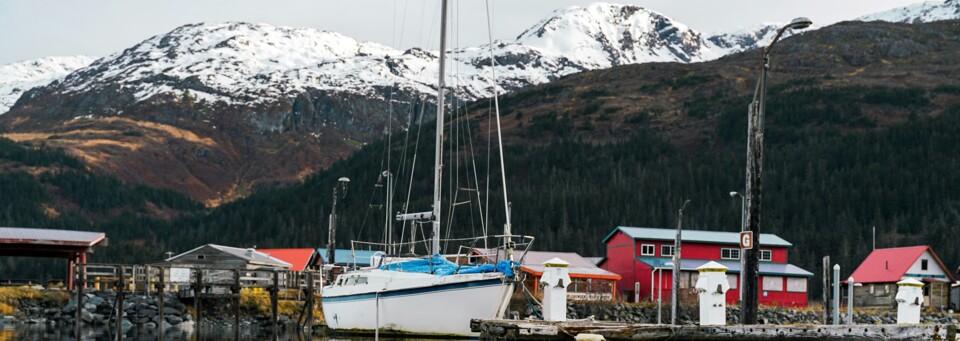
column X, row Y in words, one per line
column 100, row 309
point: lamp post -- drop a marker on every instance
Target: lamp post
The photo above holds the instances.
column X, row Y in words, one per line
column 753, row 176
column 743, row 227
column 332, row 226
column 676, row 266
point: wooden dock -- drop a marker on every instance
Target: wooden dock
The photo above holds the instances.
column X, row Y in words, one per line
column 541, row 330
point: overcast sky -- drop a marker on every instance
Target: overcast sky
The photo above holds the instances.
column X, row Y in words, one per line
column 39, row 28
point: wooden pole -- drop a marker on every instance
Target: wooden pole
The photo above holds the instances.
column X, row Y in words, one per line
column 120, row 285
column 826, row 290
column 79, row 284
column 236, row 304
column 197, row 290
column 160, row 290
column 310, row 303
column 274, row 290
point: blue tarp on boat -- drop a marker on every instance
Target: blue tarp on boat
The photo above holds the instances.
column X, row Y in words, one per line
column 439, row 266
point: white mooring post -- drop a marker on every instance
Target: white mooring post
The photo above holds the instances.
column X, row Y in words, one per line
column 554, row 282
column 909, row 301
column 712, row 287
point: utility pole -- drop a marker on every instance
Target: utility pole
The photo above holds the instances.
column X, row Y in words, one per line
column 332, row 228
column 676, row 267
column 754, row 175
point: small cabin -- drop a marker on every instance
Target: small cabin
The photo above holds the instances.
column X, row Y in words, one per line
column 883, row 268
column 219, row 257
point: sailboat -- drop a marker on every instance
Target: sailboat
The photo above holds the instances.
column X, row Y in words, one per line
column 431, row 295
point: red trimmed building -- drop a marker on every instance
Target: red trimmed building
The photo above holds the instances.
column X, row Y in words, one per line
column 883, row 268
column 642, row 256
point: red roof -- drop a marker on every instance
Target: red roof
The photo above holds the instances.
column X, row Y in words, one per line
column 296, row 257
column 890, row 265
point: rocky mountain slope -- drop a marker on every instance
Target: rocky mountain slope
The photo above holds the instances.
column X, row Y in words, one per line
column 17, row 78
column 213, row 110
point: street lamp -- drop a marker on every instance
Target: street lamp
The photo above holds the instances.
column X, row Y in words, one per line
column 743, row 227
column 754, row 169
column 332, row 226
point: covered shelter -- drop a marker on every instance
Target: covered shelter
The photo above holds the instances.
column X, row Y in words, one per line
column 46, row 243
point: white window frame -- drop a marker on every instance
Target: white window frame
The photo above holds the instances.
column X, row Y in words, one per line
column 769, row 257
column 730, row 252
column 666, row 247
column 732, row 279
column 653, row 249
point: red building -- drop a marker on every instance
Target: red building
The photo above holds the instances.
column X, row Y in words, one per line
column 643, row 258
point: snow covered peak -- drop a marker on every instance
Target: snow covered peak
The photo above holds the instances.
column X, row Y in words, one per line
column 225, row 60
column 919, row 12
column 259, row 64
column 18, row 77
column 602, row 35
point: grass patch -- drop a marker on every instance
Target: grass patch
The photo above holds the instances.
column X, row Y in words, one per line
column 10, row 298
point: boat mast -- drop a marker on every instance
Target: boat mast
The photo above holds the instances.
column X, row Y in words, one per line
column 435, row 243
column 507, row 228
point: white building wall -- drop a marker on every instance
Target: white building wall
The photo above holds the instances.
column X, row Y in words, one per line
column 932, row 267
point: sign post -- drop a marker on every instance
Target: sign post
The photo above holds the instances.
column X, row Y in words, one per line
column 746, row 240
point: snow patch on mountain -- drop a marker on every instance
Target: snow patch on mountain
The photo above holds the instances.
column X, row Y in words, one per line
column 18, row 77
column 919, row 13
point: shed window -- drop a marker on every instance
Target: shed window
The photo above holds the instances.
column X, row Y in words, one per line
column 773, row 283
column 923, row 264
column 796, row 284
column 666, row 250
column 647, row 249
column 201, row 256
column 729, row 253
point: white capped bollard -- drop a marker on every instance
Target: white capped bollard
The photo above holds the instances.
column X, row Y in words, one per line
column 712, row 288
column 554, row 281
column 909, row 301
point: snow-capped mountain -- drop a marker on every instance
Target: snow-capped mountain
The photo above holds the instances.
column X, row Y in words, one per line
column 16, row 78
column 214, row 109
column 241, row 63
column 919, row 13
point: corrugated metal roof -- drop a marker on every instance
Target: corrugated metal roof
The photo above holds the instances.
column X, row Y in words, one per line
column 766, row 268
column 891, row 264
column 298, row 258
column 346, row 256
column 20, row 235
column 251, row 255
column 697, row 236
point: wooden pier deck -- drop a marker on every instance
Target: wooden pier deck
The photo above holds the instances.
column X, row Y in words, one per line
column 541, row 330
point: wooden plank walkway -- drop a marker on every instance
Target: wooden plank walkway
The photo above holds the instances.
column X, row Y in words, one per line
column 541, row 330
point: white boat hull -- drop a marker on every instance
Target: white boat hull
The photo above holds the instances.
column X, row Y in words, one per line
column 422, row 304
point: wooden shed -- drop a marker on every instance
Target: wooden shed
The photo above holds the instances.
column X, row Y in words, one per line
column 212, row 256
